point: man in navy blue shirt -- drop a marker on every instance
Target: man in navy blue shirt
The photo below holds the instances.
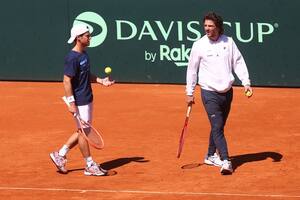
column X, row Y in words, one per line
column 77, row 84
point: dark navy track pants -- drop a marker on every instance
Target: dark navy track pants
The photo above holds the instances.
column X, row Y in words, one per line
column 217, row 106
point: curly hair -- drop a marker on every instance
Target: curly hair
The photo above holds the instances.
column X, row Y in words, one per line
column 216, row 19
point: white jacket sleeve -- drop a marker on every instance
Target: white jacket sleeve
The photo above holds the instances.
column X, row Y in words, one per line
column 239, row 65
column 192, row 70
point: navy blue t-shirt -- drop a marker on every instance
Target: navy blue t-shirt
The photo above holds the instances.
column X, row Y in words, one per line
column 77, row 66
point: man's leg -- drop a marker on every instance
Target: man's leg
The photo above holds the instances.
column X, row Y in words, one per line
column 83, row 146
column 59, row 158
column 211, row 146
column 227, row 105
column 73, row 140
column 211, row 143
column 92, row 168
column 213, row 106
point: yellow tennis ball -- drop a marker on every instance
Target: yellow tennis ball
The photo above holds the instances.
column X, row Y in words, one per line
column 107, row 70
column 248, row 93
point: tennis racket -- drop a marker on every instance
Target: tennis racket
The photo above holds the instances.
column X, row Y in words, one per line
column 184, row 131
column 92, row 136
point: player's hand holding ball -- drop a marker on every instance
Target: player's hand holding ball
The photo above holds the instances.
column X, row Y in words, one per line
column 248, row 91
column 107, row 82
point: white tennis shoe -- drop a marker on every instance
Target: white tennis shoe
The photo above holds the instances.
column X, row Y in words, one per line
column 226, row 168
column 59, row 162
column 95, row 170
column 213, row 160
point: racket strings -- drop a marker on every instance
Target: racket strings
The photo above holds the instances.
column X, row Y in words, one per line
column 91, row 134
column 94, row 137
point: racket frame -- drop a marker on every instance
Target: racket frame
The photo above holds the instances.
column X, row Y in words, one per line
column 184, row 131
column 82, row 132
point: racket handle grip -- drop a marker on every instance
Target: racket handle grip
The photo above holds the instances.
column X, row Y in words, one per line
column 68, row 104
column 64, row 98
column 189, row 109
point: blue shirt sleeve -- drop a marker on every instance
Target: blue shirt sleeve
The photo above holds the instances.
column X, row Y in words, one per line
column 70, row 67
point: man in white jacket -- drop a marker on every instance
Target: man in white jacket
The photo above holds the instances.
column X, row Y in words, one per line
column 212, row 60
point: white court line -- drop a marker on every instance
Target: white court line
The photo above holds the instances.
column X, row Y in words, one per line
column 152, row 192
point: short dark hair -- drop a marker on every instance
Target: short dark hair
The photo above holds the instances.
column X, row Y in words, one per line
column 217, row 19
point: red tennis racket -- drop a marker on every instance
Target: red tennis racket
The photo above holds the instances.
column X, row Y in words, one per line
column 184, row 131
column 92, row 136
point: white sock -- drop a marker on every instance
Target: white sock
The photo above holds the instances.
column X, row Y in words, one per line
column 89, row 161
column 64, row 150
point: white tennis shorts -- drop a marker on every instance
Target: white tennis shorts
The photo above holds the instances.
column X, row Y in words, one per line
column 86, row 113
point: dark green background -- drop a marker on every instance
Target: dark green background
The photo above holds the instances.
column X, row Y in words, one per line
column 34, row 35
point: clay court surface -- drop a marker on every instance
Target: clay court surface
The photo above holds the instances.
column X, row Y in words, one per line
column 141, row 126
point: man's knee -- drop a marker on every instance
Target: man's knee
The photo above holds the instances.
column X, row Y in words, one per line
column 217, row 123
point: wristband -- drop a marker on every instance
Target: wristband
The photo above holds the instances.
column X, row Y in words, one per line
column 70, row 99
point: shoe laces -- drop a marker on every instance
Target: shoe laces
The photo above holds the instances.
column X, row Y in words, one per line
column 214, row 157
column 94, row 167
column 61, row 160
column 227, row 163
